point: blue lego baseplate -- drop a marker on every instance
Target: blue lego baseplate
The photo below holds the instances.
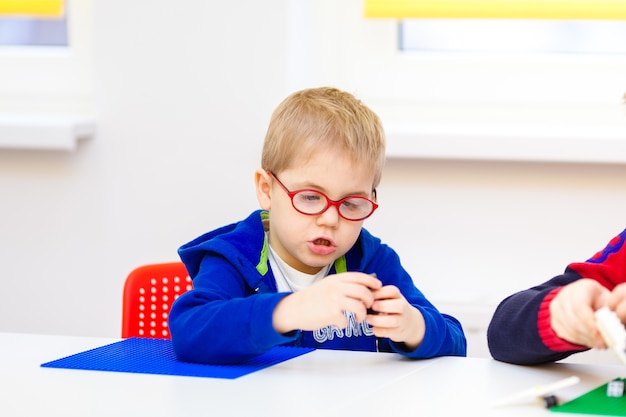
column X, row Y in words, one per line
column 156, row 356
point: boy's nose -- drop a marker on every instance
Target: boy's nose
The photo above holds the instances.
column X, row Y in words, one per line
column 330, row 217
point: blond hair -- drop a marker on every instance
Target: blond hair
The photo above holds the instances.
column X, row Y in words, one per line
column 323, row 118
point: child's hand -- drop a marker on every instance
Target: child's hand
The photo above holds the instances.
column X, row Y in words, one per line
column 617, row 301
column 323, row 303
column 396, row 319
column 572, row 312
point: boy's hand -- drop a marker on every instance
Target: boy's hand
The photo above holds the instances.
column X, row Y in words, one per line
column 396, row 319
column 323, row 303
column 572, row 312
column 617, row 301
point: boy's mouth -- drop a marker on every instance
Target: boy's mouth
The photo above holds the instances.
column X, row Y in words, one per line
column 322, row 246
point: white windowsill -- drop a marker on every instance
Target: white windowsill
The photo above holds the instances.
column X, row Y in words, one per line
column 44, row 131
column 516, row 142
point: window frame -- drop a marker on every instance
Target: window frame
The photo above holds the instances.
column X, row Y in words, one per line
column 472, row 106
column 46, row 100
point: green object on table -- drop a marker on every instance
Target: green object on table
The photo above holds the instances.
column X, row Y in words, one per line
column 595, row 402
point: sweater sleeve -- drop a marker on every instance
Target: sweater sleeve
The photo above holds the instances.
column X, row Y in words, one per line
column 515, row 332
column 546, row 332
column 520, row 331
column 219, row 322
column 608, row 266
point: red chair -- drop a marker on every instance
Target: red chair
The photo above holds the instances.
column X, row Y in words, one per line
column 149, row 292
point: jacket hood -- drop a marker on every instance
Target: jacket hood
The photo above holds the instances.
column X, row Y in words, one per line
column 251, row 235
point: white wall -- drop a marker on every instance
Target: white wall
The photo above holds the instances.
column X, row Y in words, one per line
column 183, row 97
column 183, row 100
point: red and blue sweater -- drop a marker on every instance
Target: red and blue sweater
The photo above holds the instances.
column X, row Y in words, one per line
column 520, row 330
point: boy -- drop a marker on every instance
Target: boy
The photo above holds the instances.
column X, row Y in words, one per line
column 553, row 320
column 302, row 271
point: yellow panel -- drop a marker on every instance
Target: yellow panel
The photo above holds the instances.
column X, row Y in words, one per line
column 498, row 9
column 36, row 8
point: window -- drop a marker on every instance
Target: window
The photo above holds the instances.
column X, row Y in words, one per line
column 46, row 85
column 530, row 36
column 485, row 105
column 29, row 31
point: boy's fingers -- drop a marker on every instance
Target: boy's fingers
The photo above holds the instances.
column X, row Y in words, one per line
column 368, row 280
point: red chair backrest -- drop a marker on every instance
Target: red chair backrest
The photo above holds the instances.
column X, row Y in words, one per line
column 149, row 292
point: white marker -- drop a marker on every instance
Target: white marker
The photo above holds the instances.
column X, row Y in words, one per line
column 538, row 391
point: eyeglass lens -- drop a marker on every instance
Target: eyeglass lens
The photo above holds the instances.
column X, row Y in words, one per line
column 312, row 202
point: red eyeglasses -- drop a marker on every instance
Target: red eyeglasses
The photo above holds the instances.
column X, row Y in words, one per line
column 313, row 202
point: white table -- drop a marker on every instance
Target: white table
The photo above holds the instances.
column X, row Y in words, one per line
column 321, row 383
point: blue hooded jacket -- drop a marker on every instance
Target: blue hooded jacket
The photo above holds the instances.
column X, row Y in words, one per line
column 227, row 316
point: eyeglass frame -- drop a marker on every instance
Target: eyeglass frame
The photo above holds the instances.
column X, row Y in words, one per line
column 329, row 202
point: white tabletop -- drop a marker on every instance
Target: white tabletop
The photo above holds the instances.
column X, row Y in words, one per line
column 320, row 383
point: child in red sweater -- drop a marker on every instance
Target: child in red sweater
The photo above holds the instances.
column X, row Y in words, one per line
column 553, row 320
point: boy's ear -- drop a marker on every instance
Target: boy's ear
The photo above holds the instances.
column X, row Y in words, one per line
column 263, row 184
